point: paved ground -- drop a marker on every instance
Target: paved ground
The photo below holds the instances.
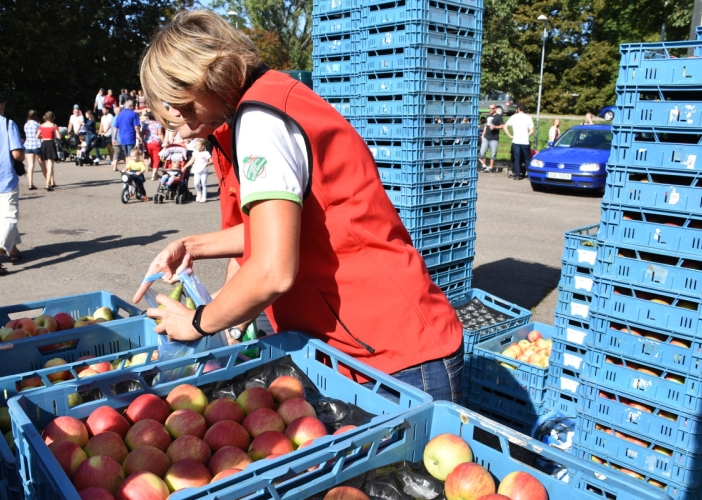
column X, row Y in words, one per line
column 82, row 238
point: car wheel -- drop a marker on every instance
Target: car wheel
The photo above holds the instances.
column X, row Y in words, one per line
column 609, row 115
column 501, row 109
column 537, row 187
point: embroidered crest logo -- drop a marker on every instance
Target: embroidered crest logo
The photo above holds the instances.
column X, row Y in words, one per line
column 254, row 167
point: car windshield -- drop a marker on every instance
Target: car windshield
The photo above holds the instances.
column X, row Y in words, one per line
column 496, row 96
column 585, row 139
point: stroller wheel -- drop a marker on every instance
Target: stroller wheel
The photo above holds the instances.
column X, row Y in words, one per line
column 156, row 199
column 160, row 198
column 125, row 195
column 177, row 199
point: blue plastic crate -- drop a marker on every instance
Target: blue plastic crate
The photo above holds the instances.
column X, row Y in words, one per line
column 564, row 380
column 639, row 453
column 497, row 448
column 667, row 106
column 430, row 193
column 418, row 217
column 413, row 126
column 457, row 288
column 568, row 356
column 415, row 58
column 576, row 277
column 420, row 33
column 424, row 172
column 331, row 45
column 457, row 271
column 418, row 80
column 580, row 246
column 336, row 23
column 574, row 303
column 423, row 150
column 659, row 269
column 575, row 331
column 342, row 104
column 655, row 347
column 659, row 64
column 326, row 87
column 343, row 65
column 446, row 254
column 411, row 105
column 454, row 15
column 675, row 313
column 325, row 7
column 563, row 401
column 511, row 407
column 655, row 229
column 42, row 476
column 501, row 419
column 659, row 147
column 443, row 235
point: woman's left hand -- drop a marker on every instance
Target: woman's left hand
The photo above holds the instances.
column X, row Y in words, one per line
column 176, row 319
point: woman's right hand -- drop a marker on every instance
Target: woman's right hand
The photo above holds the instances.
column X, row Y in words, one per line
column 170, row 261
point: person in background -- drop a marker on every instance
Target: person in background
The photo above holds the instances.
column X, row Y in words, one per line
column 32, row 147
column 105, row 131
column 554, row 132
column 133, row 96
column 76, row 121
column 128, row 127
column 200, row 160
column 47, row 132
column 491, row 137
column 136, row 167
column 153, row 140
column 522, row 128
column 91, row 133
column 99, row 102
column 110, row 102
column 123, row 97
column 141, row 99
column 117, row 153
column 10, row 147
column 589, row 119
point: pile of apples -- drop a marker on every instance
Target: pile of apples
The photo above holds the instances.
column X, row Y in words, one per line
column 534, row 350
column 159, row 446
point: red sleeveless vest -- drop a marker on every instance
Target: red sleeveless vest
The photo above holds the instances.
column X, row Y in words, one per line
column 361, row 286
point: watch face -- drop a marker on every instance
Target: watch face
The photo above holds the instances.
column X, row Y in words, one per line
column 235, row 333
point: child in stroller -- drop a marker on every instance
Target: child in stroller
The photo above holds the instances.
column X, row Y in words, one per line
column 174, row 181
column 83, row 156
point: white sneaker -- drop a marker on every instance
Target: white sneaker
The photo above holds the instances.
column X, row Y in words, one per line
column 203, row 200
column 197, row 197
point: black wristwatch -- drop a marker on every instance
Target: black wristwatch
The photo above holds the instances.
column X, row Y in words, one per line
column 196, row 321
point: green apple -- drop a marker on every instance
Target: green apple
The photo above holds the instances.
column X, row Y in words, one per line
column 443, row 453
column 75, row 399
column 84, row 321
column 5, row 420
column 105, row 313
column 4, row 332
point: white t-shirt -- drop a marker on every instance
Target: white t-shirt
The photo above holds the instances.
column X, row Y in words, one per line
column 200, row 161
column 271, row 157
column 521, row 124
column 100, row 101
column 77, row 121
column 106, row 122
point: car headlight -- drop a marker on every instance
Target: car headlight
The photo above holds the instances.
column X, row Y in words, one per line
column 589, row 167
column 537, row 163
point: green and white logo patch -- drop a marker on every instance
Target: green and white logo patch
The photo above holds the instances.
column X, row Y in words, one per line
column 254, row 167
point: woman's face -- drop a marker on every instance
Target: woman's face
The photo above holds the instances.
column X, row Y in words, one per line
column 203, row 110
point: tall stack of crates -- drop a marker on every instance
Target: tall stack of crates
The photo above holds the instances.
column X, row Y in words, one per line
column 406, row 74
column 640, row 408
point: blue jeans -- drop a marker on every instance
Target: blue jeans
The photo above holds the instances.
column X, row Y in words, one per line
column 440, row 378
column 127, row 148
column 89, row 137
column 521, row 152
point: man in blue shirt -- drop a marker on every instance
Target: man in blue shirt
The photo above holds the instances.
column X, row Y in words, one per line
column 128, row 126
column 10, row 147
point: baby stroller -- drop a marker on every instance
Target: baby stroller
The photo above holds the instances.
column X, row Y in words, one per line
column 62, row 147
column 178, row 188
column 83, row 156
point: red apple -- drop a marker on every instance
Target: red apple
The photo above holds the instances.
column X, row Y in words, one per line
column 187, row 396
column 185, row 422
column 47, row 348
column 534, row 335
column 26, row 324
column 17, row 335
column 443, row 453
column 255, row 398
column 88, row 372
column 303, row 429
column 143, row 485
column 94, row 493
column 99, row 471
column 107, row 418
column 101, row 367
column 494, row 496
column 146, row 458
column 468, row 481
column 53, row 377
column 228, row 458
column 223, row 409
column 65, row 321
column 11, row 324
column 225, row 473
column 147, row 432
column 343, row 429
column 295, row 408
column 286, row 387
column 47, row 322
column 269, row 443
column 345, row 493
column 227, row 433
column 66, row 429
column 68, row 454
column 147, row 406
column 522, row 486
column 107, row 443
column 187, row 473
column 189, row 447
column 262, row 420
column 30, row 382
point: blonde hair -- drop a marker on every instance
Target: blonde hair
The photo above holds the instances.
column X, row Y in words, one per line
column 135, row 153
column 197, row 53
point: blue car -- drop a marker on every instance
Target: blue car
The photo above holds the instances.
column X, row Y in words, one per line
column 576, row 160
column 608, row 113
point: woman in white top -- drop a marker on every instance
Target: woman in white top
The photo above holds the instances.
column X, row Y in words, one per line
column 554, row 132
column 105, row 130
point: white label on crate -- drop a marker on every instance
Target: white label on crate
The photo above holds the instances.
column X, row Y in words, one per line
column 587, row 256
column 573, row 361
column 657, row 234
column 581, row 310
column 582, row 283
column 656, row 274
column 575, row 336
column 641, row 384
column 674, row 197
column 569, row 385
column 690, row 161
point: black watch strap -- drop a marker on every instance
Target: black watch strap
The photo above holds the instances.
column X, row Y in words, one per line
column 196, row 321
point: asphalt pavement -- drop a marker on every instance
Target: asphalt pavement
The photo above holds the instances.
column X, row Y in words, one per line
column 81, row 237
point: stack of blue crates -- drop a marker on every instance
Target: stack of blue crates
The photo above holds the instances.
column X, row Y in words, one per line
column 640, row 390
column 406, row 75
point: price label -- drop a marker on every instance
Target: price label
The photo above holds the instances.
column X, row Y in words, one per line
column 587, row 256
column 582, row 283
column 573, row 361
column 575, row 336
column 581, row 310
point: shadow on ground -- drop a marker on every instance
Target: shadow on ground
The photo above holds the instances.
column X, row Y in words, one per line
column 516, row 281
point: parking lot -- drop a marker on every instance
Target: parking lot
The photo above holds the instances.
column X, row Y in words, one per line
column 81, row 237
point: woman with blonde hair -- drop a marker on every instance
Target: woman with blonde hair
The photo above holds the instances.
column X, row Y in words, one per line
column 554, row 132
column 304, row 212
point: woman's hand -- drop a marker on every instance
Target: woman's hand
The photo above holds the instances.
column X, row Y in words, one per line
column 170, row 261
column 176, row 319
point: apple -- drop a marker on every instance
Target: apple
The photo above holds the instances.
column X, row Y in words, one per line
column 95, row 493
column 534, row 335
column 104, row 313
column 189, row 447
column 295, row 408
column 106, row 418
column 28, row 325
column 30, row 383
column 262, row 420
column 100, row 320
column 107, row 443
column 223, row 409
column 303, row 429
column 100, row 471
column 74, row 399
column 185, row 422
column 66, row 429
column 187, row 396
column 146, row 458
column 345, row 493
column 228, row 458
column 84, row 321
column 269, row 443
column 64, row 320
column 227, row 433
column 225, row 473
column 147, row 406
column 443, row 453
column 17, row 335
column 143, row 485
column 147, row 432
column 678, row 379
column 88, row 372
column 187, row 473
column 140, row 359
column 50, row 347
column 522, row 486
column 85, row 367
column 101, row 367
column 68, row 454
column 53, row 377
column 47, row 322
column 468, row 481
column 494, row 496
column 343, row 429
column 4, row 332
column 286, row 387
column 11, row 324
column 254, row 398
